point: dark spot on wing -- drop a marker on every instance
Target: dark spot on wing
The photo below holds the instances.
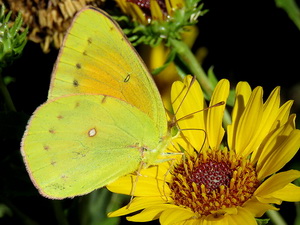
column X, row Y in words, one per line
column 90, row 40
column 75, row 83
column 46, row 147
column 52, row 131
column 78, row 65
column 77, row 104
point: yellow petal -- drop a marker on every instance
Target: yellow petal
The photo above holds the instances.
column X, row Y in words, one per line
column 137, row 203
column 243, row 93
column 193, row 127
column 268, row 117
column 276, row 182
column 143, row 186
column 215, row 131
column 243, row 217
column 221, row 220
column 136, row 13
column 151, row 213
column 290, row 193
column 283, row 151
column 175, row 215
column 249, row 122
column 123, row 5
column 156, row 12
column 172, row 5
column 283, row 115
column 271, row 143
column 257, row 208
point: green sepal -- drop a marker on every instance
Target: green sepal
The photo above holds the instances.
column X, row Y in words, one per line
column 157, row 31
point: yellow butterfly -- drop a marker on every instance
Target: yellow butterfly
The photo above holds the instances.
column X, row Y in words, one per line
column 103, row 118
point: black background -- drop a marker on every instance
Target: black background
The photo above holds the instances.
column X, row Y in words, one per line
column 252, row 41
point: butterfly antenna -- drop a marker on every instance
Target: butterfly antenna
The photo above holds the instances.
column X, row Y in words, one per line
column 175, row 121
column 173, row 116
column 186, row 93
column 201, row 110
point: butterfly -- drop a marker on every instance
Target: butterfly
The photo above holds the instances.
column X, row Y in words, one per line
column 103, row 118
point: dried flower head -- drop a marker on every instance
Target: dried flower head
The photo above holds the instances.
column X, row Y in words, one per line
column 48, row 20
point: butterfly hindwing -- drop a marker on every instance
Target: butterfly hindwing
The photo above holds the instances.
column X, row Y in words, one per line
column 79, row 143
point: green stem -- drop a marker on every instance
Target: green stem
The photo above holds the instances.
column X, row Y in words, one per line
column 185, row 54
column 189, row 59
column 275, row 217
column 6, row 95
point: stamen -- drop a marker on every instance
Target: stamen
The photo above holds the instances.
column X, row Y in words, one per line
column 213, row 180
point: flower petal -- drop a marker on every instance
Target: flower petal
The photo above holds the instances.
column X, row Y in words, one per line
column 185, row 104
column 156, row 11
column 268, row 117
column 257, row 208
column 243, row 93
column 151, row 213
column 136, row 13
column 276, row 182
column 243, row 217
column 249, row 122
column 215, row 131
column 290, row 193
column 136, row 204
column 283, row 151
column 143, row 185
column 283, row 115
column 175, row 215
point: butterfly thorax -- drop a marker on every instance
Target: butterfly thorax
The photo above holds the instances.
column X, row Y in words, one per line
column 156, row 155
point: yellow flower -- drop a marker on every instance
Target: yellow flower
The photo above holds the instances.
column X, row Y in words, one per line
column 212, row 182
column 144, row 11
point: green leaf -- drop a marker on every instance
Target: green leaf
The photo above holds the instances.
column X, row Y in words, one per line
column 291, row 8
column 212, row 77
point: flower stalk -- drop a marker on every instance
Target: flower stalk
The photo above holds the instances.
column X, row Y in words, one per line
column 275, row 217
column 188, row 58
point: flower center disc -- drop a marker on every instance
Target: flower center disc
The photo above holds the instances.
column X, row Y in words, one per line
column 212, row 181
column 212, row 174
